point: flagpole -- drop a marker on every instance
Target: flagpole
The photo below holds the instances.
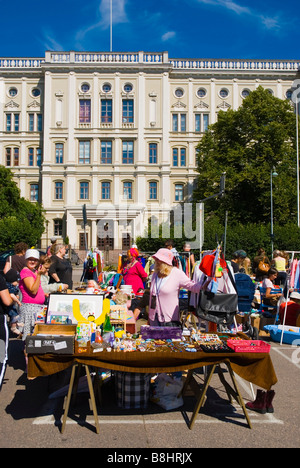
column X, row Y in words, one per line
column 110, row 25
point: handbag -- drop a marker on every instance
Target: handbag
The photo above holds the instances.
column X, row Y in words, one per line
column 263, row 267
column 219, row 308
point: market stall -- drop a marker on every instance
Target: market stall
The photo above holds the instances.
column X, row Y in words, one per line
column 255, row 367
column 87, row 331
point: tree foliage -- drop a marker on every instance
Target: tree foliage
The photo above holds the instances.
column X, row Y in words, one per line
column 20, row 219
column 247, row 144
column 251, row 237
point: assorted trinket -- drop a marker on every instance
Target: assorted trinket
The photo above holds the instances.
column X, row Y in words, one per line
column 120, row 341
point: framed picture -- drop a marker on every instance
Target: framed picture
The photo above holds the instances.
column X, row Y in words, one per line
column 74, row 308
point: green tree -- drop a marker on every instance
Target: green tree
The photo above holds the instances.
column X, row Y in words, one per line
column 20, row 219
column 247, row 144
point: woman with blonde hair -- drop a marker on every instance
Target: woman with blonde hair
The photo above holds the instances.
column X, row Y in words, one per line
column 164, row 291
column 279, row 262
column 246, row 266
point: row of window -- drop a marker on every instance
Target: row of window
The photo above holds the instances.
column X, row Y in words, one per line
column 178, row 120
column 106, row 188
column 178, row 154
column 13, row 92
column 12, row 155
column 102, row 241
column 106, row 112
column 128, row 88
column 34, row 122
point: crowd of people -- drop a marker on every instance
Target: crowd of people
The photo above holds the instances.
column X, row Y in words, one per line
column 28, row 279
column 272, row 275
column 34, row 277
column 25, row 283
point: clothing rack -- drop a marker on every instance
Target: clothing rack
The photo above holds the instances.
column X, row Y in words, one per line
column 179, row 255
column 287, row 286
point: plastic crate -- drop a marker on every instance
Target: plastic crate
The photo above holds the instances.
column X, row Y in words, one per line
column 249, row 346
column 291, row 335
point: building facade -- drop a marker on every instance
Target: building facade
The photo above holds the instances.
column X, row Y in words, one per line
column 116, row 132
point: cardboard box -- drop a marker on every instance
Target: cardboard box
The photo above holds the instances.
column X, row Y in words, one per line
column 242, row 318
column 260, row 322
column 54, row 339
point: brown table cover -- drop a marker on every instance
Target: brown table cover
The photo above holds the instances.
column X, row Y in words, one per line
column 253, row 367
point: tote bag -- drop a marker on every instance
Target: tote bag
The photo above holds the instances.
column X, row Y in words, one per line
column 219, row 308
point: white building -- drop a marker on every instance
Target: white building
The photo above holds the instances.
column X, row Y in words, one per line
column 116, row 132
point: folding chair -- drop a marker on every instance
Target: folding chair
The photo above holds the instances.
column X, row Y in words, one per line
column 266, row 309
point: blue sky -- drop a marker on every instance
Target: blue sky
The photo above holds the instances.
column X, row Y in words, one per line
column 185, row 28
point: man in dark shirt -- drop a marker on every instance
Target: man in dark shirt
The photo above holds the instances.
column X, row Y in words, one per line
column 237, row 259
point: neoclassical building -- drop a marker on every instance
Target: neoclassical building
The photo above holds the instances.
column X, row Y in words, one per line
column 116, row 132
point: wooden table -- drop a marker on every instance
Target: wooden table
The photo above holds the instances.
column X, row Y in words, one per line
column 256, row 368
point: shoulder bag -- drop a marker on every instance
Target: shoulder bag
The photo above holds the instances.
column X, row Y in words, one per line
column 219, row 308
column 263, row 267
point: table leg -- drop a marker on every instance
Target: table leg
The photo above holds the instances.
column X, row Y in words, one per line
column 92, row 395
column 76, row 381
column 237, row 395
column 202, row 395
column 67, row 403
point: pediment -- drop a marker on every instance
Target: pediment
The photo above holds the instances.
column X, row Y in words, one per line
column 179, row 105
column 224, row 105
column 12, row 104
column 201, row 105
column 34, row 104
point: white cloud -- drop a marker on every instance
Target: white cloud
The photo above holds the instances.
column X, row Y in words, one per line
column 49, row 43
column 268, row 21
column 168, row 35
column 239, row 9
column 118, row 12
column 103, row 10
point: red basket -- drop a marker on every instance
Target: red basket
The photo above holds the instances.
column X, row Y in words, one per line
column 249, row 346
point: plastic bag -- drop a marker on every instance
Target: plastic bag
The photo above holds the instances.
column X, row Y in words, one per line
column 165, row 392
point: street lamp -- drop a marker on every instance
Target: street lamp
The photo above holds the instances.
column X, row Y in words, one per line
column 273, row 174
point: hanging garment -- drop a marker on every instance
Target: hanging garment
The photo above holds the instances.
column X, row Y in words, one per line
column 297, row 277
column 119, row 269
column 293, row 272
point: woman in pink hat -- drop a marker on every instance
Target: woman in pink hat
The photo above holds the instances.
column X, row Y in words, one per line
column 164, row 291
column 134, row 274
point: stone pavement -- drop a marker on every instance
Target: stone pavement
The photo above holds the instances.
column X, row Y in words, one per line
column 29, row 418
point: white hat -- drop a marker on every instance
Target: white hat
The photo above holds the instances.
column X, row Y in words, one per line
column 32, row 253
column 295, row 295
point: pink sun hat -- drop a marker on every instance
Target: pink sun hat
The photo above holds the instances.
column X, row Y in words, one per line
column 164, row 255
